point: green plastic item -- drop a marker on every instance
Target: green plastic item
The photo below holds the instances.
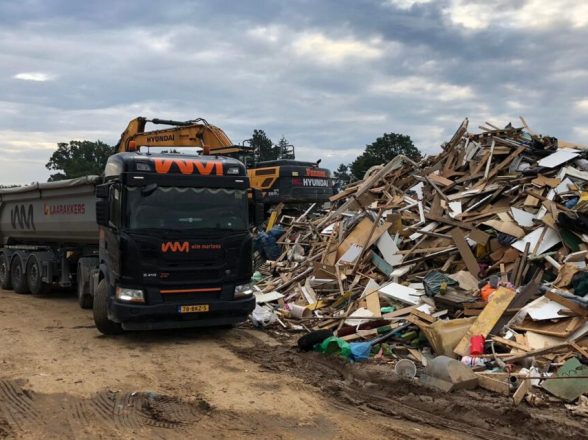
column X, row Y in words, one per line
column 387, row 309
column 384, row 329
column 257, row 277
column 336, row 346
column 569, row 389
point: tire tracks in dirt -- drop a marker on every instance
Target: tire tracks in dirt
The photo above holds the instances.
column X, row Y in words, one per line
column 24, row 411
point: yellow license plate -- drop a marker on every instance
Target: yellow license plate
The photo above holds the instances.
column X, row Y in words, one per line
column 194, row 309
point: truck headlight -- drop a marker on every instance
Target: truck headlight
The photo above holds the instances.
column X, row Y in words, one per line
column 243, row 290
column 130, row 295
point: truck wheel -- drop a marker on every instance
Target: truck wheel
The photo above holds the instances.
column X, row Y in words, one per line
column 5, row 282
column 17, row 274
column 85, row 299
column 34, row 277
column 100, row 309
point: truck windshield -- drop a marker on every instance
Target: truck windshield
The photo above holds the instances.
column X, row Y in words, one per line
column 173, row 208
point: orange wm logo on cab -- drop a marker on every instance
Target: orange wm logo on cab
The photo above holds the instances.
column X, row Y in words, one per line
column 188, row 166
column 175, row 246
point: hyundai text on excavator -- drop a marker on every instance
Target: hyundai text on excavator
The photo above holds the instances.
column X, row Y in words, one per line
column 282, row 180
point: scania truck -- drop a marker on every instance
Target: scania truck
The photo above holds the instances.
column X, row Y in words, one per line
column 158, row 241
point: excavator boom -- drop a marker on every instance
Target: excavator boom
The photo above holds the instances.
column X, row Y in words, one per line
column 194, row 133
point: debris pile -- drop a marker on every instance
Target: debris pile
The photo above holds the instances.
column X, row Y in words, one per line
column 476, row 256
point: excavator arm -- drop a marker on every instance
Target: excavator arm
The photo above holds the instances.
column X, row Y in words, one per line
column 194, row 133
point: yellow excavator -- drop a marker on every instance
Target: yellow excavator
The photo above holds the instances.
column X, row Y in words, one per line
column 282, row 180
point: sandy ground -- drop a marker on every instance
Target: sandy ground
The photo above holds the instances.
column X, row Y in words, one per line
column 59, row 378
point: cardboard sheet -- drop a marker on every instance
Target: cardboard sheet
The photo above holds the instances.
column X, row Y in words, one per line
column 559, row 157
column 522, row 217
column 389, row 250
column 540, row 242
column 402, row 293
column 544, row 309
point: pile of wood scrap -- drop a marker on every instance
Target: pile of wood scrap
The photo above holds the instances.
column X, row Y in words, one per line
column 489, row 238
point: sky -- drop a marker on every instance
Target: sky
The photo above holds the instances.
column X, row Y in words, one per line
column 329, row 75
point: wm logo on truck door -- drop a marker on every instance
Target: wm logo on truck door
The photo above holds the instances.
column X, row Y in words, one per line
column 22, row 218
column 175, row 246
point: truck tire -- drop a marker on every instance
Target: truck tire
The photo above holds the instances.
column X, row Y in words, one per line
column 18, row 275
column 5, row 281
column 34, row 277
column 85, row 299
column 100, row 309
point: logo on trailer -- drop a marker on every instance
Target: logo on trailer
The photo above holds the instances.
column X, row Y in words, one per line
column 22, row 218
column 64, row 209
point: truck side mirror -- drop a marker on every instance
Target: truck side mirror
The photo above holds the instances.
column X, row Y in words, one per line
column 102, row 205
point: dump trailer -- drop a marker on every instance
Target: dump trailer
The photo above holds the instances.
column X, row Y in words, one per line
column 159, row 241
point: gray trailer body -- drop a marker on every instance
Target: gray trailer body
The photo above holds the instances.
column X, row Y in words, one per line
column 61, row 212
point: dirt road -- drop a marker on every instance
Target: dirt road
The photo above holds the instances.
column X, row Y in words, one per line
column 59, row 378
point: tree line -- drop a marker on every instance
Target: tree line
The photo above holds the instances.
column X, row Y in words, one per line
column 82, row 158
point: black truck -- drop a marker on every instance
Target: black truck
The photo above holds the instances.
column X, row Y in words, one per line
column 160, row 241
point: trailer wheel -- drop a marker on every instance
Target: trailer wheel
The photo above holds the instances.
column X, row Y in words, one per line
column 100, row 309
column 34, row 277
column 17, row 274
column 85, row 299
column 5, row 281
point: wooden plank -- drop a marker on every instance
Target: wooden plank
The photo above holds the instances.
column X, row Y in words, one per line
column 364, row 234
column 400, row 312
column 423, row 316
column 579, row 349
column 509, row 343
column 372, row 297
column 561, row 329
column 539, row 352
column 487, row 319
column 505, row 162
column 573, row 306
column 521, row 391
column 448, row 221
column 479, row 237
column 465, row 252
column 492, row 384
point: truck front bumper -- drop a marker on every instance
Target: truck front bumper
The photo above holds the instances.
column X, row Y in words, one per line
column 166, row 316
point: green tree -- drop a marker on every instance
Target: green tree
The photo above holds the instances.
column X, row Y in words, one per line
column 341, row 175
column 78, row 158
column 263, row 145
column 285, row 149
column 383, row 150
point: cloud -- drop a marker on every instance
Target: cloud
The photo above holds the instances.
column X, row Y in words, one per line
column 407, row 4
column 423, row 86
column 331, row 76
column 582, row 105
column 328, row 50
column 34, row 76
column 526, row 14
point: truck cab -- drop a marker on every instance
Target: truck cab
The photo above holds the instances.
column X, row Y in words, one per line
column 175, row 246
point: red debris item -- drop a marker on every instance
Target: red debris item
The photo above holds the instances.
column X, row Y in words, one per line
column 477, row 345
column 486, row 291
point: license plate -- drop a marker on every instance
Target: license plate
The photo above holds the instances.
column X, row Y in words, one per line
column 194, row 309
